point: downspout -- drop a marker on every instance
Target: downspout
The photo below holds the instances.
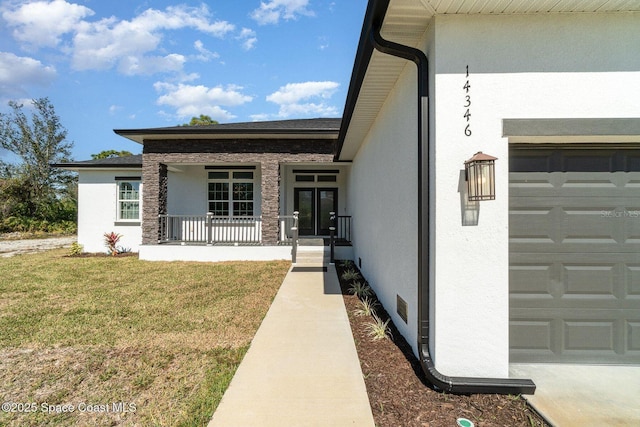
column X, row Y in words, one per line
column 462, row 385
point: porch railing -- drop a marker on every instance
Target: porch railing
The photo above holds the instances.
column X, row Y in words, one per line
column 287, row 222
column 343, row 228
column 210, row 229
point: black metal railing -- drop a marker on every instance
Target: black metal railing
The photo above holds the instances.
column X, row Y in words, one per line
column 343, row 228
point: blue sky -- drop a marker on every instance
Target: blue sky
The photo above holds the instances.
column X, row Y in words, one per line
column 108, row 64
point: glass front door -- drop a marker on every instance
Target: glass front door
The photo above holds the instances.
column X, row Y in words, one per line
column 314, row 206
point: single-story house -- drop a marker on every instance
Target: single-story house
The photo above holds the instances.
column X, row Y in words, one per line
column 543, row 268
column 212, row 187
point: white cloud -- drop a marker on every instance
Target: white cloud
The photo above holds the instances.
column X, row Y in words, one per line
column 19, row 71
column 42, row 23
column 324, row 43
column 147, row 65
column 308, row 110
column 248, row 38
column 272, row 11
column 295, row 92
column 259, row 117
column 131, row 46
column 191, row 100
column 205, row 54
column 291, row 99
column 103, row 44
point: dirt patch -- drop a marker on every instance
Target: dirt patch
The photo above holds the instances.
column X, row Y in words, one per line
column 399, row 393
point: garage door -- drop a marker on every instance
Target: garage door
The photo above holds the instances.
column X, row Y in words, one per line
column 574, row 230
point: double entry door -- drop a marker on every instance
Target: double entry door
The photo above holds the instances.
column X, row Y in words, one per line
column 314, row 206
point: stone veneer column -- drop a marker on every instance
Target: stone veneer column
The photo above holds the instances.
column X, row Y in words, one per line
column 154, row 193
column 270, row 201
column 163, row 179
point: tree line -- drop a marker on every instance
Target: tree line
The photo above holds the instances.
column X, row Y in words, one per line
column 34, row 196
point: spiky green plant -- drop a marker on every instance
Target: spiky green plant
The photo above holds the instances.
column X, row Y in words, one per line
column 378, row 330
column 361, row 290
column 351, row 274
column 367, row 307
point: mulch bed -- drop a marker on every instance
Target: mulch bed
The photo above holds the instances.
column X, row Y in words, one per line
column 102, row 255
column 399, row 393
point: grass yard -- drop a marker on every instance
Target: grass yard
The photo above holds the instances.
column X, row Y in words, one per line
column 126, row 342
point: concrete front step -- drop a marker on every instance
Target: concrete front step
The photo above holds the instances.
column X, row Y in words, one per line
column 312, row 255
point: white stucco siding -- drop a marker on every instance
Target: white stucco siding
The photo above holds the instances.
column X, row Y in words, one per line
column 97, row 204
column 383, row 200
column 552, row 66
column 187, row 191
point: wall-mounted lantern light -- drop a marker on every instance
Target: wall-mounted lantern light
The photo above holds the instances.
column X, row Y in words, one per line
column 480, row 174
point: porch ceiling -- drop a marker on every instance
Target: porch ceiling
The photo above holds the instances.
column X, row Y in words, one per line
column 405, row 22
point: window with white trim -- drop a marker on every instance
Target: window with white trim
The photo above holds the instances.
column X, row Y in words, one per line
column 230, row 193
column 128, row 200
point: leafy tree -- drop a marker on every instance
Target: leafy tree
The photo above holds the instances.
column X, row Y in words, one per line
column 108, row 154
column 203, row 120
column 34, row 186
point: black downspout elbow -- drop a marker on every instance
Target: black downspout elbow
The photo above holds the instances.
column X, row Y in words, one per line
column 462, row 385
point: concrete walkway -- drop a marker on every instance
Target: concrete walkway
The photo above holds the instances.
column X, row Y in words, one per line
column 584, row 395
column 302, row 368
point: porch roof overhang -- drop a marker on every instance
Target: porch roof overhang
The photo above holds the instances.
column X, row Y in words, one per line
column 128, row 162
column 279, row 129
column 405, row 22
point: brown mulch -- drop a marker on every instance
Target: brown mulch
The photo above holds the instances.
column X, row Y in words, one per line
column 399, row 393
column 102, row 255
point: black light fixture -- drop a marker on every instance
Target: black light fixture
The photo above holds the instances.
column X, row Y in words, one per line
column 480, row 174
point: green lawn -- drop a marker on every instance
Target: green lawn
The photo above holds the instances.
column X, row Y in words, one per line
column 163, row 337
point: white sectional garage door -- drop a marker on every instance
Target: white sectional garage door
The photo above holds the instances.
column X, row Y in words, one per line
column 574, row 229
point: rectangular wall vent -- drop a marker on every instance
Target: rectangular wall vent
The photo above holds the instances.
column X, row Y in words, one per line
column 401, row 308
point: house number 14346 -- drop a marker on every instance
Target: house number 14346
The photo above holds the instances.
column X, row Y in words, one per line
column 467, row 105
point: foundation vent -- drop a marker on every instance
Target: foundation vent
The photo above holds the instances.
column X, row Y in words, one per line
column 401, row 308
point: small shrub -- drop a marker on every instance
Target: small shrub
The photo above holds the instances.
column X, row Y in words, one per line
column 348, row 263
column 378, row 330
column 123, row 250
column 361, row 290
column 367, row 307
column 76, row 249
column 111, row 242
column 350, row 274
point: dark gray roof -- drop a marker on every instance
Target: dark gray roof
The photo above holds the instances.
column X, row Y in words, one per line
column 134, row 161
column 296, row 126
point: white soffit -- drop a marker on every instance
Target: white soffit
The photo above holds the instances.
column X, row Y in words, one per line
column 406, row 22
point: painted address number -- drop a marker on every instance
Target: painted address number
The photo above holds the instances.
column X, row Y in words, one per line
column 467, row 104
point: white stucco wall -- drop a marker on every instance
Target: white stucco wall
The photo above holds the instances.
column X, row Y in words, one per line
column 383, row 200
column 97, row 195
column 521, row 66
column 552, row 66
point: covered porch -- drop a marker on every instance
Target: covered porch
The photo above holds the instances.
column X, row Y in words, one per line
column 232, row 204
column 227, row 230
